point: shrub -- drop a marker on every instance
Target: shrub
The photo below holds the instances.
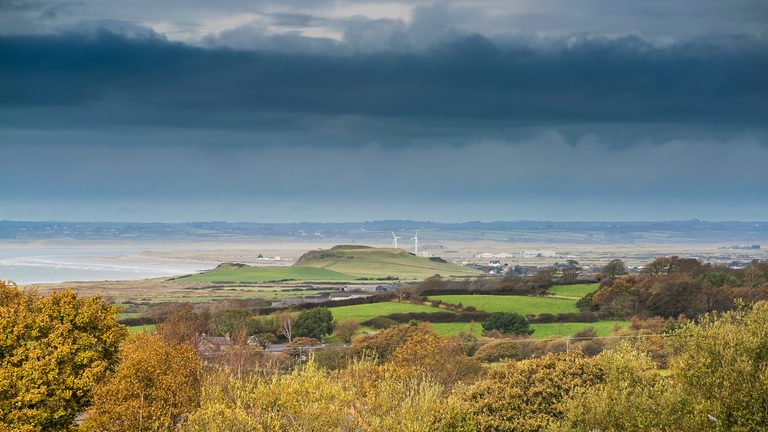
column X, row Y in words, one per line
column 497, row 351
column 527, row 395
column 381, row 323
column 313, row 323
column 506, row 322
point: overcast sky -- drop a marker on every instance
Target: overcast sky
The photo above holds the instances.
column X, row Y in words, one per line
column 321, row 110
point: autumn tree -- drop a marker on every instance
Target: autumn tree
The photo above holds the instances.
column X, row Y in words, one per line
column 614, row 268
column 153, row 387
column 53, row 350
column 180, row 324
column 570, row 273
column 632, row 397
column 723, row 368
column 314, row 323
column 441, row 360
column 504, row 349
column 661, row 266
column 346, row 329
column 528, row 395
column 383, row 343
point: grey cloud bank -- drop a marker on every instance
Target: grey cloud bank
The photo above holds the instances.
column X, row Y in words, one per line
column 469, row 78
column 313, row 110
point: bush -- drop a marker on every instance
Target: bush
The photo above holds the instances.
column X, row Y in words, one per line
column 528, row 395
column 381, row 323
column 497, row 351
column 332, row 358
column 505, row 322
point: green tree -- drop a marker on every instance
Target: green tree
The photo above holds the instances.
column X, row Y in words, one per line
column 53, row 350
column 314, row 323
column 507, row 322
column 154, row 386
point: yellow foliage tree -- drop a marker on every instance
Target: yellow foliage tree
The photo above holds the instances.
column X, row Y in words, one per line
column 153, row 387
column 633, row 397
column 528, row 395
column 722, row 368
column 364, row 397
column 434, row 357
column 53, row 350
column 305, row 400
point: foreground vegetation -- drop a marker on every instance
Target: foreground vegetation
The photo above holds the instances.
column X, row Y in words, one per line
column 405, row 377
column 688, row 351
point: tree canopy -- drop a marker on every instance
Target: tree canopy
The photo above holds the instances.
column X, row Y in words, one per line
column 53, row 351
column 314, row 323
column 507, row 322
column 154, row 386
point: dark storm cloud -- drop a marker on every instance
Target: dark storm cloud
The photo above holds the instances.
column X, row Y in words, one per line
column 470, row 78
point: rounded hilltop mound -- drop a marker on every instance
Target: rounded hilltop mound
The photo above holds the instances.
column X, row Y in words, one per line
column 350, row 252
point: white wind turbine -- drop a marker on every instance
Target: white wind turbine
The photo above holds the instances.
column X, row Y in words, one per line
column 394, row 240
column 415, row 239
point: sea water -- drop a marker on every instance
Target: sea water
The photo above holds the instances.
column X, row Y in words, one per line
column 25, row 265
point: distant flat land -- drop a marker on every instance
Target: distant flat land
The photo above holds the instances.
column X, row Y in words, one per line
column 524, row 305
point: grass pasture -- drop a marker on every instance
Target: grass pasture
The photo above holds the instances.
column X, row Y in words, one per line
column 364, row 312
column 245, row 274
column 541, row 331
column 524, row 305
column 146, row 328
column 575, row 291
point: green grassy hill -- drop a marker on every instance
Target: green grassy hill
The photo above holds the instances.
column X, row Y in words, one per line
column 363, row 261
column 339, row 264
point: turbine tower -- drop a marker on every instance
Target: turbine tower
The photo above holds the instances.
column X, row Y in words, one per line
column 394, row 240
column 415, row 239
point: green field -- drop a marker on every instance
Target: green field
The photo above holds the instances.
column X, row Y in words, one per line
column 576, row 291
column 146, row 328
column 602, row 328
column 523, row 305
column 452, row 329
column 228, row 273
column 541, row 331
column 364, row 312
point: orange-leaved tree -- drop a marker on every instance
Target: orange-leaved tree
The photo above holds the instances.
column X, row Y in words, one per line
column 154, row 386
